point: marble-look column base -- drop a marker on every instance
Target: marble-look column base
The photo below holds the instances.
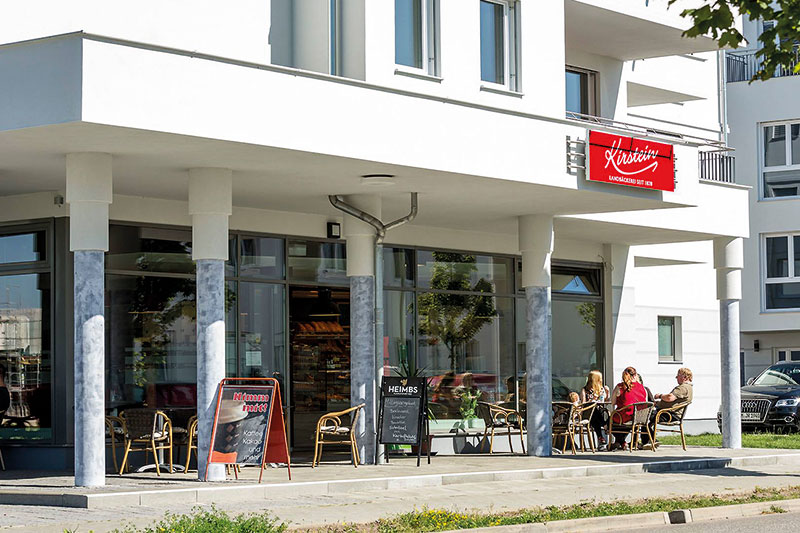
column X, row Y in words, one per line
column 729, row 365
column 210, row 357
column 362, row 362
column 538, row 365
column 90, row 441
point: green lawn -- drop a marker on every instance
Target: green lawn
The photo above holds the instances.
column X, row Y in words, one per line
column 749, row 440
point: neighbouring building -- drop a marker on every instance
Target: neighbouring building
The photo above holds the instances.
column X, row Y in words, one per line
column 575, row 209
column 764, row 120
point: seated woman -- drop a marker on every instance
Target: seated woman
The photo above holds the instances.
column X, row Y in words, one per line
column 595, row 391
column 628, row 392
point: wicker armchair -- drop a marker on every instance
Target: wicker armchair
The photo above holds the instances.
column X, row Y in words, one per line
column 504, row 418
column 582, row 417
column 670, row 418
column 641, row 412
column 564, row 424
column 115, row 432
column 151, row 429
column 331, row 431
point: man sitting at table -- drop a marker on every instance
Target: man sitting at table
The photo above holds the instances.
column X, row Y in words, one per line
column 681, row 393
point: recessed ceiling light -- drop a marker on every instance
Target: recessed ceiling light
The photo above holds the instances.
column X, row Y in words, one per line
column 377, row 180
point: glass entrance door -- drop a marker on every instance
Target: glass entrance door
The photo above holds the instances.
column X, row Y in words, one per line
column 319, row 322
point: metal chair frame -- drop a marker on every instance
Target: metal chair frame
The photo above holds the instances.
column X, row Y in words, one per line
column 671, row 417
column 500, row 417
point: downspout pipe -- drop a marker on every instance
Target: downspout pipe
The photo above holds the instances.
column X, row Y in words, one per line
column 339, row 203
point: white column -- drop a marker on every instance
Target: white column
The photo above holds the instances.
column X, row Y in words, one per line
column 536, row 244
column 729, row 262
column 363, row 361
column 621, row 314
column 89, row 193
column 210, row 206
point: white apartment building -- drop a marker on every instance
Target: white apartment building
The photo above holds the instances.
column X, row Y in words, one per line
column 168, row 175
column 764, row 119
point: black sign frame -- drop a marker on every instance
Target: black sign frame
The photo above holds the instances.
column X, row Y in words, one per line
column 400, row 387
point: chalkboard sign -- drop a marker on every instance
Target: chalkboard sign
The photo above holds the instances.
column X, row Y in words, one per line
column 402, row 415
column 400, row 424
column 248, row 424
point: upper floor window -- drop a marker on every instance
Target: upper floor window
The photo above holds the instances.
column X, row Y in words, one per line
column 499, row 43
column 782, row 271
column 781, row 160
column 415, row 34
column 580, row 84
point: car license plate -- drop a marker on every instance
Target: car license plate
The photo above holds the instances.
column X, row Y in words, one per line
column 751, row 417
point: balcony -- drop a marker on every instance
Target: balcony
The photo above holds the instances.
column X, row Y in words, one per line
column 717, row 166
column 742, row 66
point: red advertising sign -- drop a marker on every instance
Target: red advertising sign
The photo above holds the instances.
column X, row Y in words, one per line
column 627, row 161
column 248, row 424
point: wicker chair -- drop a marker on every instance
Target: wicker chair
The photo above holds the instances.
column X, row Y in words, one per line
column 115, row 432
column 641, row 417
column 582, row 420
column 670, row 418
column 503, row 418
column 191, row 441
column 149, row 428
column 563, row 424
column 330, row 427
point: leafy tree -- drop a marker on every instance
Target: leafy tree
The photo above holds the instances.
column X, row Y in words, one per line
column 454, row 319
column 778, row 44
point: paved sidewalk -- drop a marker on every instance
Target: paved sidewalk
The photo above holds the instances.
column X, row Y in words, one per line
column 485, row 490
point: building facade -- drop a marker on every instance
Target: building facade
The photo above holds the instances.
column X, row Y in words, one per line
column 764, row 122
column 169, row 191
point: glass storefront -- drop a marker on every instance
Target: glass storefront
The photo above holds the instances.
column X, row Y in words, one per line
column 455, row 318
column 25, row 334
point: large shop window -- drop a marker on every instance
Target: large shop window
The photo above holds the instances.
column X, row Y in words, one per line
column 782, row 272
column 781, row 160
column 25, row 334
column 151, row 313
column 577, row 328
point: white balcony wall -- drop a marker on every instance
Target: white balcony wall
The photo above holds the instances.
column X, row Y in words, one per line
column 231, row 29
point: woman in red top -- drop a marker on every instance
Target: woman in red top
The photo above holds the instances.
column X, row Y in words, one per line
column 627, row 392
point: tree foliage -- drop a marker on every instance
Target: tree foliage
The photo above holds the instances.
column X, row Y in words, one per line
column 778, row 44
column 453, row 319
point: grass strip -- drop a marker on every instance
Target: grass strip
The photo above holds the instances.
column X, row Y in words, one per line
column 749, row 440
column 442, row 520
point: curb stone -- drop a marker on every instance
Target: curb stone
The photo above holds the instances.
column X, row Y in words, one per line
column 635, row 521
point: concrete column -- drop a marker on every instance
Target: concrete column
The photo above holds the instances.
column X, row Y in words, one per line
column 536, row 244
column 621, row 314
column 363, row 361
column 89, row 193
column 729, row 262
column 210, row 205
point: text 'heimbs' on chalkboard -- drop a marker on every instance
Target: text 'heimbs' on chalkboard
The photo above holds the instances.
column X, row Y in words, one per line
column 401, row 410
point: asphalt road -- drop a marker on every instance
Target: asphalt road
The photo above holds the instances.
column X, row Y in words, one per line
column 783, row 523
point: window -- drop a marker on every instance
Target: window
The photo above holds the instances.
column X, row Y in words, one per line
column 788, row 354
column 782, row 272
column 334, row 36
column 669, row 339
column 499, row 43
column 415, row 34
column 581, row 87
column 781, row 160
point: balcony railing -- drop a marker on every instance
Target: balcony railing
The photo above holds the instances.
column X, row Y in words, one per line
column 742, row 66
column 717, row 166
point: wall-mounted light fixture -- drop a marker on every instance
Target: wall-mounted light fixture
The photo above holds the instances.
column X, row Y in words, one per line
column 334, row 230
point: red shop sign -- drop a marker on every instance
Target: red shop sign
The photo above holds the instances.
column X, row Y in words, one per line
column 627, row 161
